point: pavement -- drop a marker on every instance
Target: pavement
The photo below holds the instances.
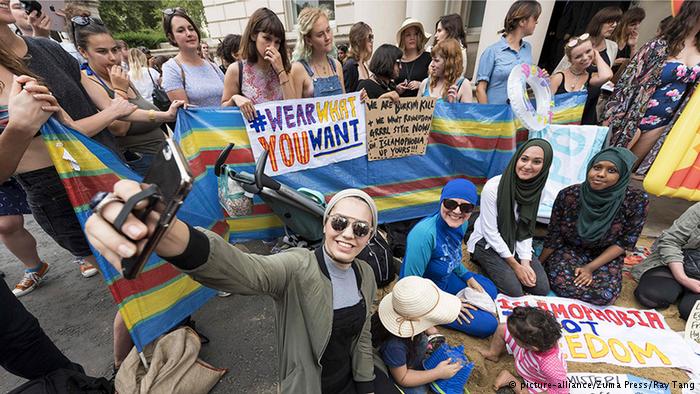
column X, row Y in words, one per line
column 77, row 314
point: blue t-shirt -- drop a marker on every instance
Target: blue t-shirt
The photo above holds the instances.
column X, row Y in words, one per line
column 495, row 66
column 204, row 84
column 434, row 257
column 395, row 353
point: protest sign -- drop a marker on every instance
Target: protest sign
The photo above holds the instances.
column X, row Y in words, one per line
column 574, row 146
column 308, row 133
column 398, row 129
column 621, row 336
column 692, row 326
column 609, row 383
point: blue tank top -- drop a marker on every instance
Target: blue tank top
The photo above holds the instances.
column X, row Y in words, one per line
column 426, row 92
column 328, row 86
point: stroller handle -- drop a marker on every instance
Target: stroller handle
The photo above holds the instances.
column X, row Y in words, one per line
column 260, row 178
column 222, row 159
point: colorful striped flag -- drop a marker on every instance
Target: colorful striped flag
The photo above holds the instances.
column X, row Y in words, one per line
column 161, row 296
column 474, row 141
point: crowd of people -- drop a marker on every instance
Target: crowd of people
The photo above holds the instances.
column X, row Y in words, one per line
column 125, row 98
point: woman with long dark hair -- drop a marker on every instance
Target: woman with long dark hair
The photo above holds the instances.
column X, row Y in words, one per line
column 355, row 67
column 655, row 87
column 452, row 26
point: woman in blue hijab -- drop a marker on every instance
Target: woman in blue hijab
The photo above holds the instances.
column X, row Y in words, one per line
column 434, row 251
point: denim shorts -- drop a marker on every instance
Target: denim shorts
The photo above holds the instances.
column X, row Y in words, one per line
column 52, row 209
column 13, row 200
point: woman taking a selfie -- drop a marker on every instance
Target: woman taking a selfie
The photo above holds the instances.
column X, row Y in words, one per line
column 323, row 297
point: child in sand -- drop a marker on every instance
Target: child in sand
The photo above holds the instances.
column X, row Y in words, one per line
column 531, row 335
column 412, row 309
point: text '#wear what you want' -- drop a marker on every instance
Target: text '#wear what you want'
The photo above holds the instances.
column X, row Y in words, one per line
column 308, row 133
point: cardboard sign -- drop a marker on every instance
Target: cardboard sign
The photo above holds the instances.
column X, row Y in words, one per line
column 398, row 130
column 308, row 133
column 621, row 336
column 692, row 326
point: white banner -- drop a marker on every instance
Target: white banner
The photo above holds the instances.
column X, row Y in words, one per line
column 308, row 133
column 574, row 147
column 622, row 336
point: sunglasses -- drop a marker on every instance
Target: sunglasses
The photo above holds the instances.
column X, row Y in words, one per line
column 464, row 207
column 85, row 20
column 173, row 11
column 577, row 40
column 359, row 227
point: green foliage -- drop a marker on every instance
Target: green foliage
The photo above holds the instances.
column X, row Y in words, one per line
column 147, row 38
column 136, row 17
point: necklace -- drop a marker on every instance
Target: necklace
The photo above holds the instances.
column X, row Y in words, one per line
column 578, row 76
column 317, row 74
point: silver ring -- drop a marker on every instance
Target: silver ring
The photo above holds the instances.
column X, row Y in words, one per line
column 104, row 202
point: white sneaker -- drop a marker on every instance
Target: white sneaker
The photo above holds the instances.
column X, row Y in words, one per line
column 87, row 270
column 222, row 294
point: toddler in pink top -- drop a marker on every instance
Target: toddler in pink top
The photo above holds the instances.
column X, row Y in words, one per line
column 531, row 335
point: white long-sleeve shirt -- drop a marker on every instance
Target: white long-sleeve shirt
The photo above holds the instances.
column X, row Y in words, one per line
column 486, row 225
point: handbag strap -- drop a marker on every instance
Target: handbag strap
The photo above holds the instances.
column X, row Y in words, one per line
column 152, row 81
column 182, row 74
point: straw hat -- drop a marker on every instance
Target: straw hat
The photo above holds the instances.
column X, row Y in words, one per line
column 410, row 22
column 416, row 304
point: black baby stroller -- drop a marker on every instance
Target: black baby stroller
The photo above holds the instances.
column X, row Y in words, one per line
column 301, row 211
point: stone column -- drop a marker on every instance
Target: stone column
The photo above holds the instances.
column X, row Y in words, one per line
column 426, row 11
column 384, row 17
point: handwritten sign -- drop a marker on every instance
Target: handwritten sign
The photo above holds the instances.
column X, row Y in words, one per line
column 621, row 336
column 308, row 133
column 398, row 130
column 692, row 326
column 615, row 383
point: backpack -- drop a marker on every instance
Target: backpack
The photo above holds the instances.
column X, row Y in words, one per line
column 65, row 381
column 378, row 255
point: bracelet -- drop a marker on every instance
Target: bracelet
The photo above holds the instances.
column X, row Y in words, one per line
column 281, row 71
column 284, row 82
column 152, row 115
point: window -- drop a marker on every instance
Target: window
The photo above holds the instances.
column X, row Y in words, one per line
column 298, row 5
column 476, row 13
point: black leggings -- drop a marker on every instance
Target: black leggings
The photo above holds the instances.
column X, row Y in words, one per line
column 658, row 288
column 25, row 350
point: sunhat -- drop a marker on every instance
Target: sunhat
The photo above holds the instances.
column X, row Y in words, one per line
column 410, row 22
column 416, row 304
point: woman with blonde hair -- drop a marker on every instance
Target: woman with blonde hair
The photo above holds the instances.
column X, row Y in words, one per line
column 315, row 73
column 446, row 80
column 355, row 68
column 143, row 77
column 415, row 61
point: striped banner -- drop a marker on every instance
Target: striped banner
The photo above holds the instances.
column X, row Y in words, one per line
column 474, row 141
column 161, row 296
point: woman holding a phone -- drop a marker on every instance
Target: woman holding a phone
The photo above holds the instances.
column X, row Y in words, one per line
column 323, row 297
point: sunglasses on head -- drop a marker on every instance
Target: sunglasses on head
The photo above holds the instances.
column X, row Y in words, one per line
column 464, row 207
column 370, row 37
column 85, row 20
column 359, row 227
column 173, row 11
column 577, row 40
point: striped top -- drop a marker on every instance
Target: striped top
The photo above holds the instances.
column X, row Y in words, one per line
column 4, row 117
column 539, row 368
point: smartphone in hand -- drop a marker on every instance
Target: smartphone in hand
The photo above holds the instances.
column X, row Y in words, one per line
column 171, row 176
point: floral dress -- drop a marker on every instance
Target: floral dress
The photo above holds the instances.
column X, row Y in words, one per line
column 571, row 252
column 260, row 86
column 632, row 94
column 676, row 78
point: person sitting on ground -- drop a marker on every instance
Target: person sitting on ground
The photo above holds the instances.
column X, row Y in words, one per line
column 591, row 226
column 531, row 335
column 263, row 72
column 446, row 80
column 578, row 77
column 415, row 62
column 434, row 251
column 502, row 239
column 323, row 298
column 385, row 66
column 315, row 73
column 401, row 337
column 671, row 273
